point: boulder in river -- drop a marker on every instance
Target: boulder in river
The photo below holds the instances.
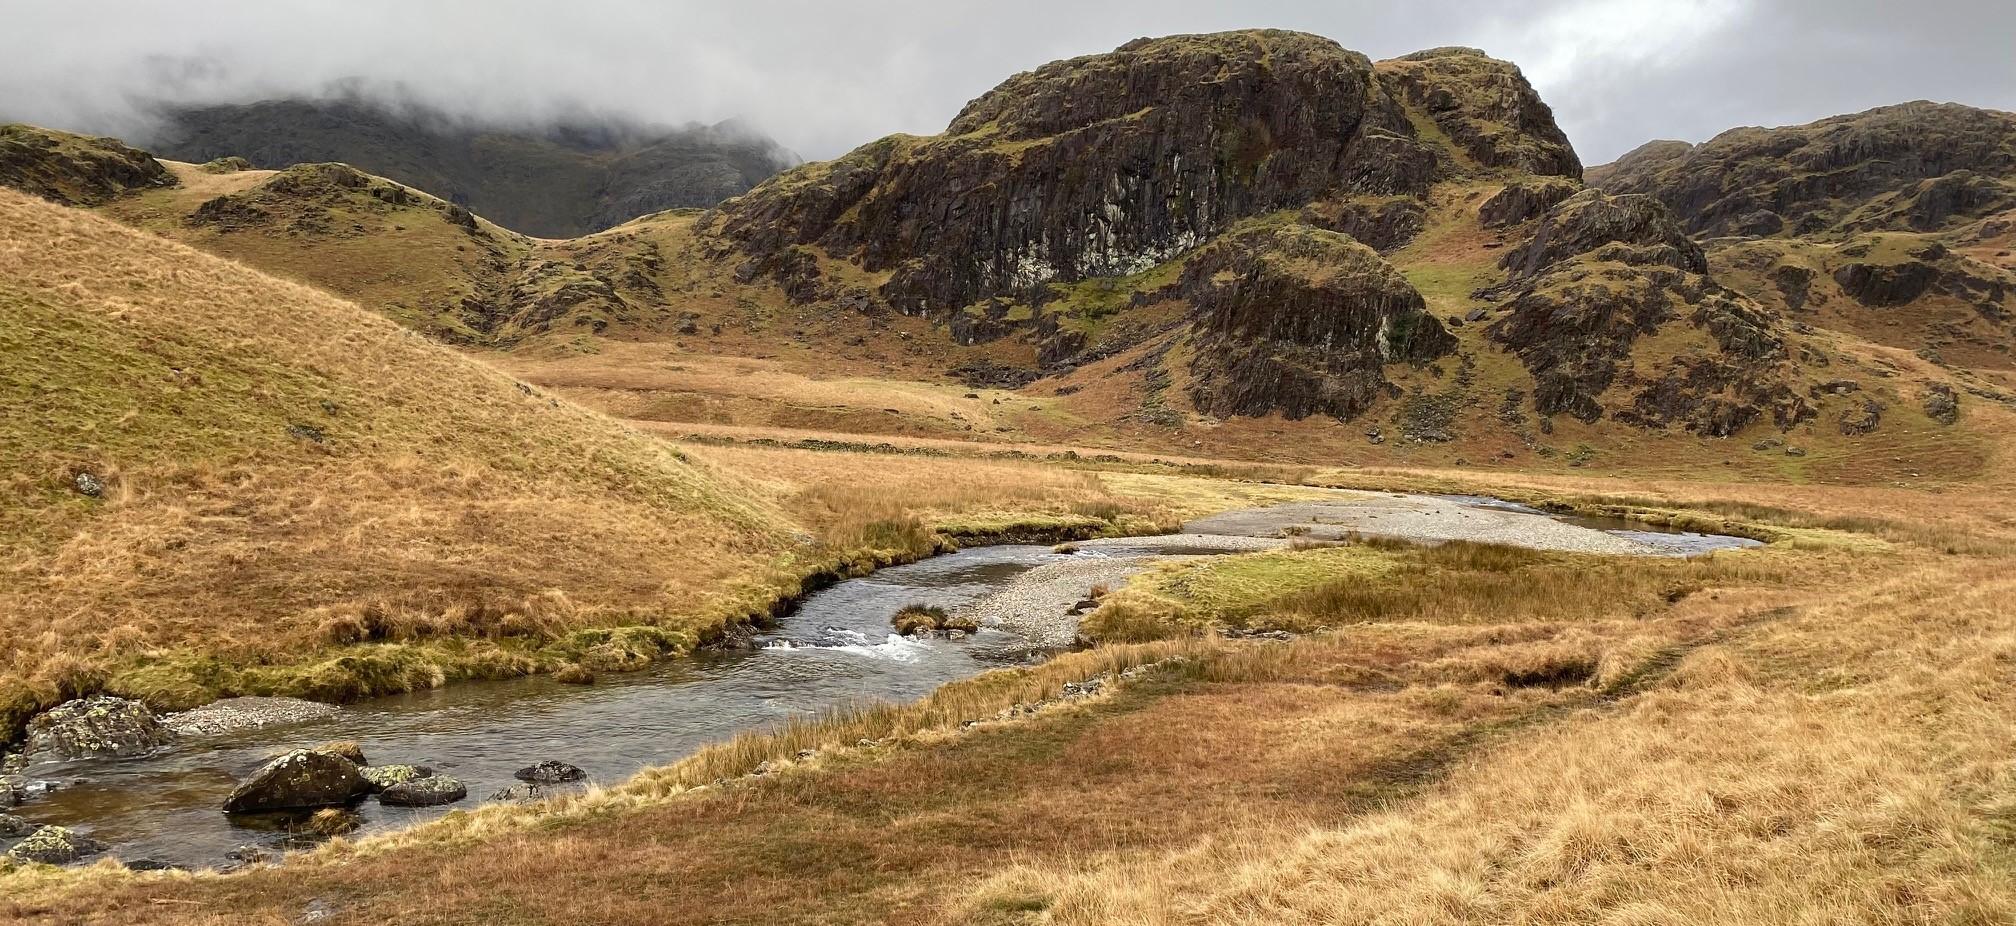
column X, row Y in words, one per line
column 55, row 845
column 381, row 777
column 550, row 772
column 12, row 826
column 99, row 725
column 299, row 780
column 432, row 791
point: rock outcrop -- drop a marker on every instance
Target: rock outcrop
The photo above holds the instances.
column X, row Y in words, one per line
column 1487, row 108
column 1602, row 273
column 75, row 170
column 300, row 780
column 100, row 725
column 1634, row 229
column 1913, row 167
column 1523, row 200
column 1093, row 167
column 1299, row 320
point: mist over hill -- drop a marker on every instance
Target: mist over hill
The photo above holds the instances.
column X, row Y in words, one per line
column 561, row 178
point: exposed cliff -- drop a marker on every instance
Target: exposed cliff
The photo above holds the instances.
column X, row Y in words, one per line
column 1300, row 320
column 1912, row 167
column 1601, row 274
column 1094, row 167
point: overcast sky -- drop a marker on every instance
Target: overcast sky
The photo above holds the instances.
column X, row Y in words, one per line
column 823, row 77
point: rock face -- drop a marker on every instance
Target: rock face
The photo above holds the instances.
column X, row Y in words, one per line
column 431, row 791
column 55, row 845
column 1599, row 274
column 75, row 170
column 1914, row 167
column 1524, row 200
column 1300, row 320
column 300, row 780
column 1635, row 229
column 100, row 725
column 1092, row 167
column 560, row 180
column 1487, row 108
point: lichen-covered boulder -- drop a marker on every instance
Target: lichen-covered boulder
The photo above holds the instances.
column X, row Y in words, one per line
column 385, row 776
column 430, row 791
column 55, row 845
column 99, row 725
column 299, row 780
column 1301, row 321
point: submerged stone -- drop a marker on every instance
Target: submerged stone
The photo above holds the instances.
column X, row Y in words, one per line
column 431, row 791
column 550, row 772
column 381, row 777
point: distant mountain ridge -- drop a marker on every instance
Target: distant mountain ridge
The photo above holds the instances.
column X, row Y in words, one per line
column 560, row 180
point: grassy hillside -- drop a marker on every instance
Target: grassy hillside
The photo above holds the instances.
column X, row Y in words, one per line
column 217, row 475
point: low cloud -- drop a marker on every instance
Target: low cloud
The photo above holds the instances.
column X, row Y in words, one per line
column 823, row 77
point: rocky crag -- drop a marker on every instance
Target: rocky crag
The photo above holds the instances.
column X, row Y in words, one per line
column 1232, row 208
column 1895, row 224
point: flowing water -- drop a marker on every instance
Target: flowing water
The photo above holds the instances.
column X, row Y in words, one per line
column 835, row 649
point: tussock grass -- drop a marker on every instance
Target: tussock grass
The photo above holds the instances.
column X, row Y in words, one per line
column 1323, row 587
column 1838, row 807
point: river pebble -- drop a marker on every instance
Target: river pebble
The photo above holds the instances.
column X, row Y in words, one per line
column 232, row 715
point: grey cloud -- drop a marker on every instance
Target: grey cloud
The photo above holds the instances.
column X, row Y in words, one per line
column 823, row 77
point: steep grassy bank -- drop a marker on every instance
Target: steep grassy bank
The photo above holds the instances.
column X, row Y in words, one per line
column 216, row 473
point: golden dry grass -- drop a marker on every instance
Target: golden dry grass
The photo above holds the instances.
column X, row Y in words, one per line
column 274, row 459
column 1732, row 793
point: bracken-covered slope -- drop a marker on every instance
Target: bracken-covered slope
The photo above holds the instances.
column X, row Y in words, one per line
column 214, row 475
column 555, row 181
